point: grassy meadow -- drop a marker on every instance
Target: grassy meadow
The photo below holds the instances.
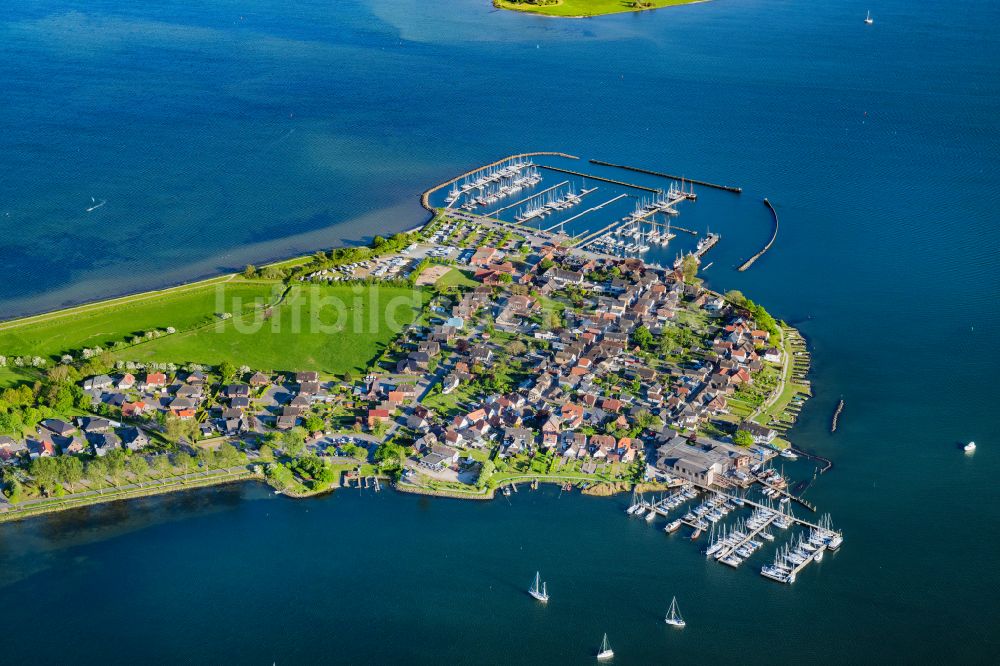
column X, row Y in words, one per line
column 328, row 328
column 103, row 324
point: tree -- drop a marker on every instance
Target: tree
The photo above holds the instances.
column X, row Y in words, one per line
column 250, row 271
column 645, row 420
column 642, row 337
column 389, row 455
column 116, row 464
column 14, row 491
column 97, row 470
column 486, row 470
column 176, row 428
column 161, row 465
column 70, row 469
column 45, row 472
column 743, row 438
column 689, row 266
column 138, row 465
column 516, row 347
column 266, row 452
column 228, row 455
column 293, row 442
column 227, row 371
column 735, row 296
column 352, row 450
column 762, row 317
column 314, row 423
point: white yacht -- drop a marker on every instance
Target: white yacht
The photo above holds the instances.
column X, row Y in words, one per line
column 605, row 652
column 868, row 19
column 673, row 617
column 538, row 590
column 970, row 447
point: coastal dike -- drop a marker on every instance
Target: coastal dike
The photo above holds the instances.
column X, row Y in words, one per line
column 425, row 198
column 449, row 494
column 774, row 236
column 17, row 512
column 648, row 172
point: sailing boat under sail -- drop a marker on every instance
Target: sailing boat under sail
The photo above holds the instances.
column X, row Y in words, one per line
column 606, row 652
column 538, row 590
column 673, row 617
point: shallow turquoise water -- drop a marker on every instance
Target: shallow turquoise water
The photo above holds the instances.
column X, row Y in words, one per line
column 230, row 133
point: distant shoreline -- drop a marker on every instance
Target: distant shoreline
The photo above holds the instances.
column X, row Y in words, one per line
column 609, row 9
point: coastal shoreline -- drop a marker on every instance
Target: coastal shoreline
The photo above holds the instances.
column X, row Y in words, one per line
column 298, row 247
column 16, row 514
column 591, row 486
column 498, row 4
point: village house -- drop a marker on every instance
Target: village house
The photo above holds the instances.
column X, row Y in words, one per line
column 133, row 438
column 11, row 449
column 761, row 434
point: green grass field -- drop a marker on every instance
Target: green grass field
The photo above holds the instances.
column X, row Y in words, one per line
column 102, row 324
column 585, row 7
column 456, row 278
column 330, row 329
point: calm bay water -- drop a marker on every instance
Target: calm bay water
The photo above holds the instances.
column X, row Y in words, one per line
column 221, row 133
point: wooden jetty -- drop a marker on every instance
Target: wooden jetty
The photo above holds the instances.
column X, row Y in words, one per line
column 528, row 198
column 674, row 227
column 591, row 210
column 774, row 235
column 631, row 219
column 729, row 549
column 727, row 188
column 808, row 560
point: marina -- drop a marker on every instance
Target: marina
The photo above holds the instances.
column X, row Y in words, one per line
column 425, row 197
column 733, row 544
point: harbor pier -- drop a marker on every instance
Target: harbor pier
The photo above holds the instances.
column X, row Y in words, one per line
column 774, row 235
column 727, row 188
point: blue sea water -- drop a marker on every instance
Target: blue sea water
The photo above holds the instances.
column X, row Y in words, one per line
column 222, row 132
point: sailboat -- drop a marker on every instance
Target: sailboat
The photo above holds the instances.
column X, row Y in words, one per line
column 606, row 652
column 673, row 617
column 868, row 19
column 538, row 590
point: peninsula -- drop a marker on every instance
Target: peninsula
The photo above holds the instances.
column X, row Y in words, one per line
column 457, row 359
column 585, row 8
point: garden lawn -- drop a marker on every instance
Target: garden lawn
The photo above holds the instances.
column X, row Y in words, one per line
column 327, row 328
column 455, row 278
